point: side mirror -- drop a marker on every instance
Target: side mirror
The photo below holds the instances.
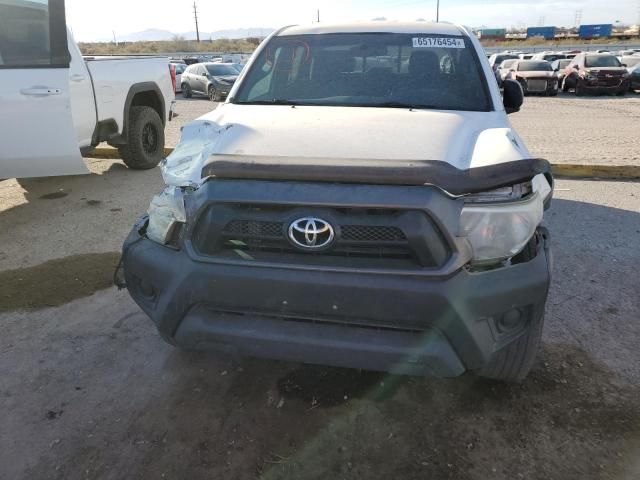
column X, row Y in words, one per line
column 624, row 65
column 512, row 96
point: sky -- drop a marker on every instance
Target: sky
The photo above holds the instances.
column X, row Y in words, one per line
column 96, row 19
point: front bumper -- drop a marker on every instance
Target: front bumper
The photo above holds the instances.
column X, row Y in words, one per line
column 407, row 324
column 598, row 86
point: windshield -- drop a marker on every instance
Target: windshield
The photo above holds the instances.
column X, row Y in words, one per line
column 179, row 68
column 369, row 70
column 533, row 66
column 601, row 61
column 218, row 70
column 563, row 63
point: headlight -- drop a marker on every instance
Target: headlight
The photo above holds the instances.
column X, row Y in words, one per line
column 164, row 212
column 498, row 231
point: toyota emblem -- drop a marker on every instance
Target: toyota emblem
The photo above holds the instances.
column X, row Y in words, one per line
column 311, row 233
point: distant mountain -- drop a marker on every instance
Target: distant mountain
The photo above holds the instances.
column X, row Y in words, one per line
column 229, row 33
column 154, row 34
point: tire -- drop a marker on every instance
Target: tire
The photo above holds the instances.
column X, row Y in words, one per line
column 565, row 87
column 145, row 137
column 186, row 90
column 513, row 362
column 579, row 89
column 213, row 94
column 621, row 93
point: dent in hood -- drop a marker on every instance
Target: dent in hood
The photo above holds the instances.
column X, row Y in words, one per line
column 462, row 139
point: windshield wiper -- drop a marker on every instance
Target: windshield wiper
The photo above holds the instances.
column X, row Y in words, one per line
column 275, row 101
column 401, row 105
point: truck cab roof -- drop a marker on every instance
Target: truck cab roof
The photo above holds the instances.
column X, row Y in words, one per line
column 430, row 28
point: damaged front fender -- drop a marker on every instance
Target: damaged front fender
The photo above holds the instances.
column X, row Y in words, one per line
column 183, row 168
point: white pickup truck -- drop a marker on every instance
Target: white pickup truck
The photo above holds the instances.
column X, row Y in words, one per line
column 57, row 104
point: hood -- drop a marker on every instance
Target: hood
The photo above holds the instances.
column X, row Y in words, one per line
column 610, row 70
column 536, row 74
column 225, row 78
column 461, row 139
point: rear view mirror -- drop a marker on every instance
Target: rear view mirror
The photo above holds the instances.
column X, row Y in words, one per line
column 512, row 96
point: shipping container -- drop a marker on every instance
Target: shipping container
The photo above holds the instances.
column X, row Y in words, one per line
column 493, row 33
column 548, row 33
column 594, row 31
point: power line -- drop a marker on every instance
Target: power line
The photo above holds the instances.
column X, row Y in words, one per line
column 195, row 16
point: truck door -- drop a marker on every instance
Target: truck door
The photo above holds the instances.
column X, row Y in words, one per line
column 37, row 137
column 83, row 107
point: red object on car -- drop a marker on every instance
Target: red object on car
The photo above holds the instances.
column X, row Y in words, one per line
column 172, row 69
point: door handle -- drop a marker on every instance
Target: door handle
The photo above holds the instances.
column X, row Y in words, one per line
column 77, row 77
column 40, row 91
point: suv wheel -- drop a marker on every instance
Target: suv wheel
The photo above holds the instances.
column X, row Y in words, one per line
column 214, row 96
column 514, row 361
column 579, row 88
column 186, row 90
column 145, row 137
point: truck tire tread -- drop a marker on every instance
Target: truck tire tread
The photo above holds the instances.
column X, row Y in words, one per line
column 133, row 152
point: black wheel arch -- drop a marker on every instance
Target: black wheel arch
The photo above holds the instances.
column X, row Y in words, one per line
column 143, row 94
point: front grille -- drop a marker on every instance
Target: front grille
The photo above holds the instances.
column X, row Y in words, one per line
column 364, row 233
column 537, row 85
column 353, row 233
column 353, row 240
column 365, row 237
column 254, row 229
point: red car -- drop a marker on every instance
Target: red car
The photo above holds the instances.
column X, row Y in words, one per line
column 596, row 72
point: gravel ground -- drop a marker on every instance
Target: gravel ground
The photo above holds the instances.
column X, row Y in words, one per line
column 564, row 129
column 89, row 390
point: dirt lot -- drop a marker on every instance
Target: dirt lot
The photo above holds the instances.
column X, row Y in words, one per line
column 89, row 390
column 565, row 129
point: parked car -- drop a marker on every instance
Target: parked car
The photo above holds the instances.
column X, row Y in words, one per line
column 570, row 54
column 559, row 66
column 323, row 198
column 548, row 56
column 634, row 76
column 179, row 69
column 57, row 104
column 211, row 79
column 237, row 66
column 503, row 70
column 496, row 59
column 629, row 61
column 525, row 56
column 596, row 73
column 535, row 76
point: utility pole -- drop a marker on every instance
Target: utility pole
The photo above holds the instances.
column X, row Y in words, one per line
column 437, row 10
column 318, row 17
column 195, row 16
column 578, row 18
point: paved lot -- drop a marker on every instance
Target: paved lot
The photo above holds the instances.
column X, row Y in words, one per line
column 89, row 390
column 565, row 129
